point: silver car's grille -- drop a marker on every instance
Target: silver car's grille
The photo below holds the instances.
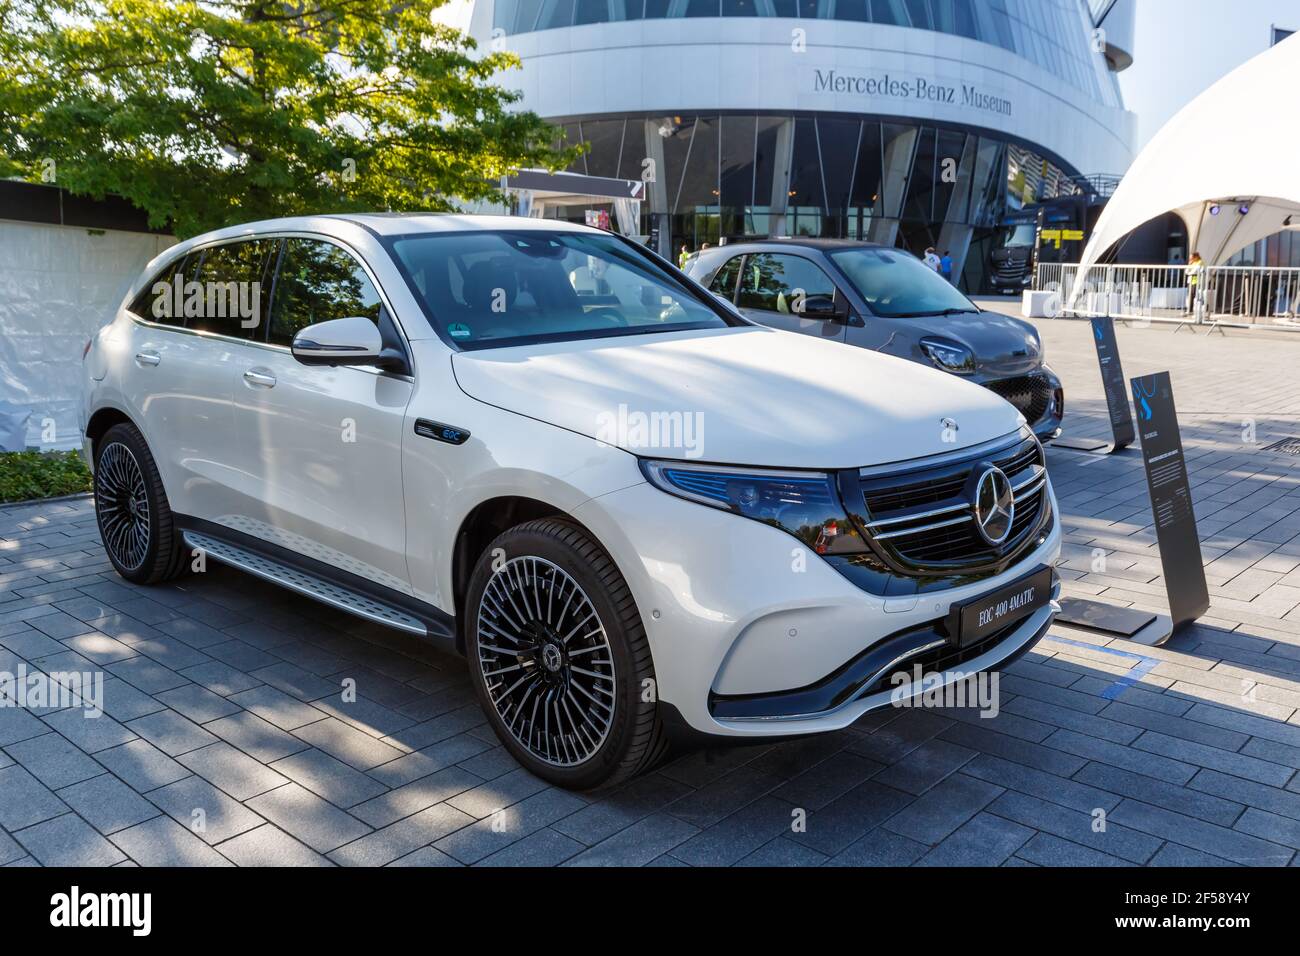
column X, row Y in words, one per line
column 923, row 519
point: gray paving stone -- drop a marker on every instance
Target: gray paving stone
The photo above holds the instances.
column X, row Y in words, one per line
column 611, row 812
column 317, row 823
column 256, row 737
column 124, row 702
column 1047, row 849
column 736, row 836
column 141, row 765
column 1247, row 792
column 1171, row 854
column 824, row 781
column 1199, row 835
column 198, row 703
column 1126, row 758
column 232, row 770
column 1019, row 751
column 68, row 841
column 1068, row 793
column 1157, row 792
column 171, row 733
column 10, row 849
column 164, row 842
column 208, row 813
column 983, row 840
column 1270, row 826
column 546, row 847
column 484, row 837
column 329, row 778
column 1192, row 730
column 1239, row 765
column 415, row 796
column 426, row 856
column 403, row 837
column 346, row 743
column 146, row 675
column 54, row 760
column 296, row 682
column 925, row 766
column 87, row 733
column 24, row 800
column 940, row 811
column 99, row 648
column 488, row 798
column 783, row 852
column 220, row 678
column 879, row 847
column 277, row 707
column 17, row 724
column 108, row 804
column 268, row 845
column 638, row 844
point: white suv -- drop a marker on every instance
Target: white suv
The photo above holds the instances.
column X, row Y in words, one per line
column 632, row 510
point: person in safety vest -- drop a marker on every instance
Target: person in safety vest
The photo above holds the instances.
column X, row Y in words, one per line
column 682, row 257
column 1195, row 269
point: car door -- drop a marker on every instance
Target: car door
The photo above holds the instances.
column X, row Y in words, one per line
column 184, row 345
column 321, row 446
column 793, row 293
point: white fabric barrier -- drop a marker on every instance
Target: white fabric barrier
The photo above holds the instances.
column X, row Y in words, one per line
column 58, row 284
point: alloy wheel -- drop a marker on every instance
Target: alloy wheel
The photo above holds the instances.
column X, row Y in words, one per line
column 546, row 661
column 123, row 506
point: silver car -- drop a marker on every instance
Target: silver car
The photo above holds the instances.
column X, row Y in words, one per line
column 885, row 299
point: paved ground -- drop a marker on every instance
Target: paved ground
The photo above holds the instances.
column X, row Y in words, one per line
column 226, row 739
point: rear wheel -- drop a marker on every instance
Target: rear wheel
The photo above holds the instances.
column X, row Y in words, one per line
column 135, row 521
column 559, row 657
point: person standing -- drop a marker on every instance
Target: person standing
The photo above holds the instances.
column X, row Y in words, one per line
column 1195, row 269
column 945, row 265
column 931, row 259
column 683, row 256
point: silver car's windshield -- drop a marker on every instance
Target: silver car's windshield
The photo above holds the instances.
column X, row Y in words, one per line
column 898, row 285
column 492, row 289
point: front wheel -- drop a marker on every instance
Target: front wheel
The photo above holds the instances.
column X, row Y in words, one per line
column 559, row 657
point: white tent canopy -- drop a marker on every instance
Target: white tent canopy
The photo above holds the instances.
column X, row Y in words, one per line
column 1233, row 147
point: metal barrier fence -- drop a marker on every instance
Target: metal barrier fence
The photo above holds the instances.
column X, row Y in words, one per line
column 1225, row 295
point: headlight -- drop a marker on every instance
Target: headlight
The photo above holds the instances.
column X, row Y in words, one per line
column 805, row 504
column 950, row 356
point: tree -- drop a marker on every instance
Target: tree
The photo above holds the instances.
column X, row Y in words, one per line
column 209, row 113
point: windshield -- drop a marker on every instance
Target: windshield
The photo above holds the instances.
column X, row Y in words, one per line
column 1019, row 234
column 898, row 285
column 491, row 289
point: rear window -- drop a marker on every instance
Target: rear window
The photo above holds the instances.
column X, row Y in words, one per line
column 492, row 289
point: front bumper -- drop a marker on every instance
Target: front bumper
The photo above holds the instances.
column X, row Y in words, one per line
column 736, row 608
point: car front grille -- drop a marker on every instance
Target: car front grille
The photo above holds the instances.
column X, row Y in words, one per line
column 922, row 520
column 1030, row 394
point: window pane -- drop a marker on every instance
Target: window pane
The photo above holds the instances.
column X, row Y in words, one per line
column 236, row 287
column 488, row 289
column 724, row 283
column 896, row 283
column 771, row 283
column 165, row 305
column 319, row 281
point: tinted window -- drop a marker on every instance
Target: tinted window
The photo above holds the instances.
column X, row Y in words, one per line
column 235, row 283
column 724, row 283
column 775, row 283
column 897, row 285
column 486, row 289
column 160, row 301
column 319, row 281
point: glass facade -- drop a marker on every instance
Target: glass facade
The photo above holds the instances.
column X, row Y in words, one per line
column 1054, row 34
column 730, row 176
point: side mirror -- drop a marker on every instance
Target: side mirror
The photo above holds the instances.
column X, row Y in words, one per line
column 825, row 307
column 351, row 341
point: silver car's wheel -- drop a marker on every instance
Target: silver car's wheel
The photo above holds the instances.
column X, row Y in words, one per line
column 123, row 505
column 546, row 661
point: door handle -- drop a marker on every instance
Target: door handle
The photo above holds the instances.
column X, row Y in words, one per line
column 260, row 378
column 147, row 358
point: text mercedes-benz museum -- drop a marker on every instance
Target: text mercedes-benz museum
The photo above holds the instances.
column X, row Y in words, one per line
column 906, row 122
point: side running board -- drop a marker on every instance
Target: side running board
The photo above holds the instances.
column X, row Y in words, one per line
column 310, row 585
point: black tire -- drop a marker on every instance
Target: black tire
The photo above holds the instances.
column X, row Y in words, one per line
column 135, row 521
column 555, row 561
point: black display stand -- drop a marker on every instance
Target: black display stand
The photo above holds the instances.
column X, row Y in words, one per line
column 1112, row 382
column 1096, row 616
column 1171, row 499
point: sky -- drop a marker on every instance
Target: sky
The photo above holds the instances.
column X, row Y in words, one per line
column 1183, row 46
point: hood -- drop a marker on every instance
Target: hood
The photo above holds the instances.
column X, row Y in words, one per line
column 741, row 396
column 1003, row 345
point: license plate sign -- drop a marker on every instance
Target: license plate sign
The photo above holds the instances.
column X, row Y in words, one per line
column 975, row 620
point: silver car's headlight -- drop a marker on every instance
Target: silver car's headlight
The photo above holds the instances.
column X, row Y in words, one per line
column 949, row 355
column 804, row 503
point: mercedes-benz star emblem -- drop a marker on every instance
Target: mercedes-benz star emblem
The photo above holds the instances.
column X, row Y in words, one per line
column 994, row 505
column 551, row 658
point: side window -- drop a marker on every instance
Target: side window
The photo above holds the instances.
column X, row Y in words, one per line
column 724, row 283
column 162, row 299
column 235, row 279
column 774, row 283
column 318, row 281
